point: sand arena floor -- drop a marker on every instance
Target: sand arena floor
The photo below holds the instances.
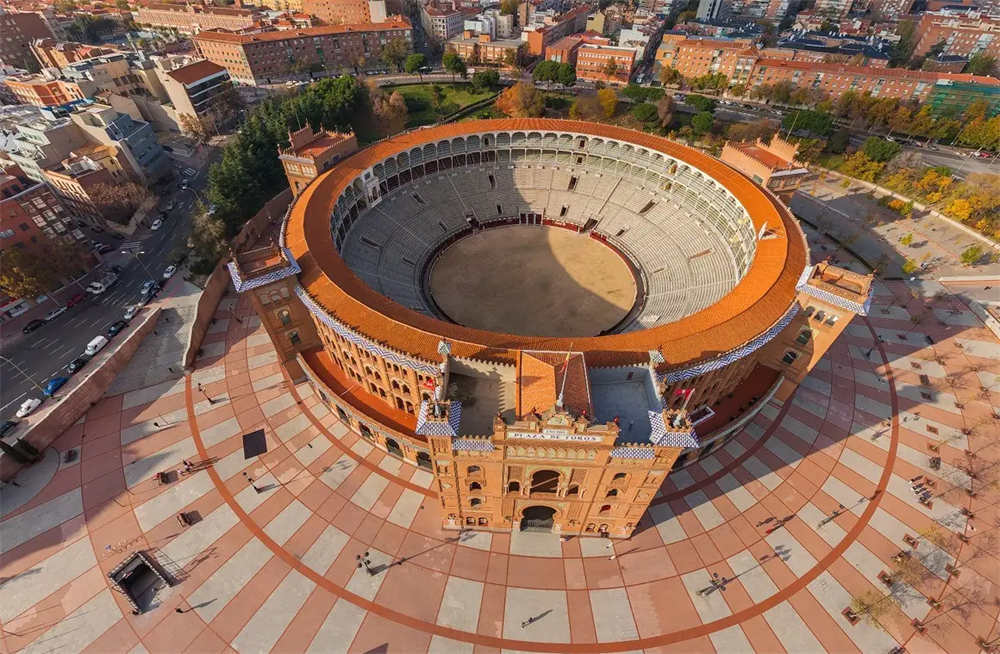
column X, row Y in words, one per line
column 534, row 281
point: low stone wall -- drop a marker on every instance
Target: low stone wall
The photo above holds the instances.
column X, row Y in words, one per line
column 85, row 389
column 219, row 281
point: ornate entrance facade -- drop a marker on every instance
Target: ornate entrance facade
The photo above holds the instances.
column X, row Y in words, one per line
column 537, row 518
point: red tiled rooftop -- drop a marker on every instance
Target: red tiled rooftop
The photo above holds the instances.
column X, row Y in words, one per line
column 305, row 32
column 199, row 70
column 757, row 302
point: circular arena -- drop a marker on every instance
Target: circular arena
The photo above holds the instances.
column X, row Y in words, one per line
column 395, row 242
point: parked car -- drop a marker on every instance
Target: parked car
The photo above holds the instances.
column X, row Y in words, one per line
column 27, row 407
column 156, row 224
column 131, row 311
column 116, row 327
column 33, row 325
column 7, row 426
column 104, row 248
column 169, row 272
column 77, row 364
column 55, row 313
column 54, row 385
column 96, row 288
column 95, row 345
column 76, row 299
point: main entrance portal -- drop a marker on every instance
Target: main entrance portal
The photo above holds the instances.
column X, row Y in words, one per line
column 537, row 518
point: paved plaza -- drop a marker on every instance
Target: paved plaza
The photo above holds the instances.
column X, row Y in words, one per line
column 760, row 546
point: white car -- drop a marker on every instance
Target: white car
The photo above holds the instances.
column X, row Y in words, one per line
column 169, row 272
column 131, row 311
column 55, row 313
column 96, row 288
column 28, row 406
column 156, row 224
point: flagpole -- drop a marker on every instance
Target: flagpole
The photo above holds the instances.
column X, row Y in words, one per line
column 562, row 387
column 687, row 398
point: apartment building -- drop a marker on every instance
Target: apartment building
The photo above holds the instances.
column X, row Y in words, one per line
column 698, row 56
column 962, row 33
column 890, row 9
column 539, row 37
column 345, row 12
column 604, row 63
column 270, row 57
column 564, row 50
column 35, row 138
column 42, row 90
column 202, row 90
column 18, row 30
column 442, row 21
column 74, row 179
column 138, row 150
column 482, row 48
column 58, row 54
column 113, row 73
column 193, row 18
column 30, row 213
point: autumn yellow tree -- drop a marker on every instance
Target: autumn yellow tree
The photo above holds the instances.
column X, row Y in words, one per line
column 609, row 101
column 522, row 100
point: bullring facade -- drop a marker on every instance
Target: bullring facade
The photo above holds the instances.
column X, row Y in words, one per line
column 543, row 426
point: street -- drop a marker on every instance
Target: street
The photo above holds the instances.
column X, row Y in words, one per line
column 42, row 354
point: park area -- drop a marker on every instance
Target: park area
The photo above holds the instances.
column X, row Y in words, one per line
column 429, row 103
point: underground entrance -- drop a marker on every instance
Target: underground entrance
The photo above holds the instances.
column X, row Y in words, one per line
column 537, row 518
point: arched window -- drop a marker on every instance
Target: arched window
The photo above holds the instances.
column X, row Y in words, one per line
column 545, row 481
column 475, row 501
column 606, row 508
column 472, row 469
column 395, row 385
column 612, row 493
column 475, row 486
column 619, row 475
column 573, row 491
column 514, row 487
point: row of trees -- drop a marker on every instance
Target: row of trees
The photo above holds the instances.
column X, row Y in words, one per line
column 553, row 71
column 32, row 271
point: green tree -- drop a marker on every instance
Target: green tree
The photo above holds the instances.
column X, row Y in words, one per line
column 702, row 103
column 982, row 63
column 545, row 71
column 971, row 255
column 414, row 63
column 453, row 64
column 880, row 150
column 903, row 49
column 702, row 122
column 394, row 53
column 814, row 122
column 486, row 80
column 508, row 7
column 566, row 75
column 644, row 112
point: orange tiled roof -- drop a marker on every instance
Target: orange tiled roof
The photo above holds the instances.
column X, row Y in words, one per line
column 760, row 299
column 540, row 380
column 305, row 32
column 769, row 159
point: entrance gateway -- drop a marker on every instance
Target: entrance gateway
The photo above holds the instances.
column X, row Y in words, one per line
column 537, row 518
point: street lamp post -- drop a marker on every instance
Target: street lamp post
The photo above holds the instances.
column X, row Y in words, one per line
column 24, row 374
column 136, row 253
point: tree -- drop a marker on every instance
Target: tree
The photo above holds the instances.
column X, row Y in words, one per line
column 395, row 52
column 453, row 64
column 522, row 100
column 880, row 150
column 30, row 272
column 702, row 122
column 816, row 122
column 839, row 141
column 869, row 606
column 981, row 63
column 414, row 63
column 485, row 80
column 665, row 110
column 510, row 58
column 909, row 267
column 670, row 76
column 971, row 255
column 118, row 202
column 545, row 71
column 208, row 238
column 702, row 103
column 437, row 96
column 762, row 129
column 508, row 7
column 608, row 100
column 861, row 166
column 611, row 69
column 193, row 126
column 585, row 107
column 907, row 240
column 566, row 75
column 389, row 112
column 644, row 112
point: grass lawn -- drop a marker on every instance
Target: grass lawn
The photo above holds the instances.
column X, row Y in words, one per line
column 421, row 108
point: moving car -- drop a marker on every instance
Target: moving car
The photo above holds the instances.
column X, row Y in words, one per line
column 7, row 426
column 76, row 299
column 116, row 327
column 33, row 325
column 169, row 272
column 156, row 224
column 27, row 406
column 131, row 311
column 77, row 364
column 55, row 313
column 96, row 288
column 54, row 385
